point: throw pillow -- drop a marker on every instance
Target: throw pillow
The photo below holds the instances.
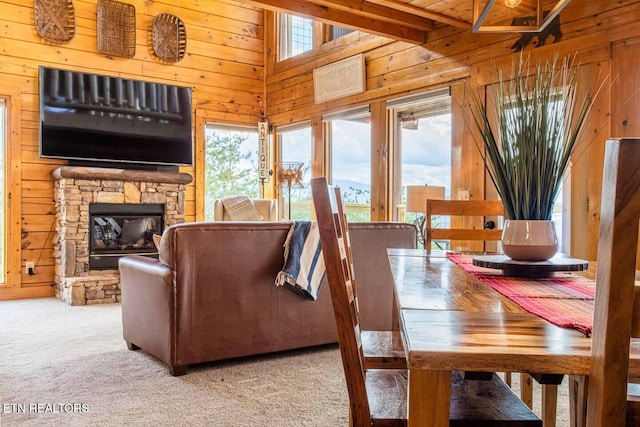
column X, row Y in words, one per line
column 156, row 241
column 240, row 208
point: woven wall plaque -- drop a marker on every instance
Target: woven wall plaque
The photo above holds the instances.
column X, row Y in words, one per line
column 116, row 28
column 169, row 37
column 339, row 79
column 55, row 19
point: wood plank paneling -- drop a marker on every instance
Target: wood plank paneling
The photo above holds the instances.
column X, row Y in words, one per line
column 450, row 55
column 224, row 65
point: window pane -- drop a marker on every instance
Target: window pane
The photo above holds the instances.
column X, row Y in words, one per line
column 231, row 164
column 296, row 147
column 296, row 35
column 351, row 164
column 426, row 153
column 423, row 150
column 337, row 32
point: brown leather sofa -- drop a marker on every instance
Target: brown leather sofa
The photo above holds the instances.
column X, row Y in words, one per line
column 212, row 296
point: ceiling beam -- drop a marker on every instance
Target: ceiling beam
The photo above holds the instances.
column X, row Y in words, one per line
column 376, row 11
column 419, row 11
column 392, row 26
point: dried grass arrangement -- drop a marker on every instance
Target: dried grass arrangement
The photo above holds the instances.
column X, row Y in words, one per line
column 540, row 122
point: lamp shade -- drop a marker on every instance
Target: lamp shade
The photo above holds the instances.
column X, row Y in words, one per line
column 417, row 196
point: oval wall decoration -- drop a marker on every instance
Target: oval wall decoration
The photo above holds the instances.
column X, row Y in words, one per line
column 55, row 20
column 169, row 37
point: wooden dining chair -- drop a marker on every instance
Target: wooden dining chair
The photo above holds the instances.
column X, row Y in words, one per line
column 468, row 210
column 606, row 396
column 378, row 397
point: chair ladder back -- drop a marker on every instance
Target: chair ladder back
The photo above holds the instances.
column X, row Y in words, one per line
column 615, row 277
column 348, row 258
column 461, row 208
column 334, row 241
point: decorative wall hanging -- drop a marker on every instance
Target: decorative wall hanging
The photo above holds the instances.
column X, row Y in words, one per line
column 263, row 151
column 553, row 29
column 169, row 37
column 116, row 28
column 55, row 19
column 342, row 78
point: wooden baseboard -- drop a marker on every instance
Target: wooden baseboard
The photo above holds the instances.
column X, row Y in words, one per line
column 44, row 291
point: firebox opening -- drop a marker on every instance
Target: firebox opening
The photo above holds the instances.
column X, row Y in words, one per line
column 120, row 229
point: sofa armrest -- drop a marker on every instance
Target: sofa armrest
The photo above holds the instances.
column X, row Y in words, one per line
column 148, row 313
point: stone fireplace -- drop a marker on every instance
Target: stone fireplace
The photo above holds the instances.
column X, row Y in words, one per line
column 130, row 201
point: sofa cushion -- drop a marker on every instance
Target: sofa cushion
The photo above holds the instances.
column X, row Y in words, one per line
column 240, row 208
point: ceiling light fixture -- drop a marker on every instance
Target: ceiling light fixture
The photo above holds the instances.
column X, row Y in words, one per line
column 533, row 23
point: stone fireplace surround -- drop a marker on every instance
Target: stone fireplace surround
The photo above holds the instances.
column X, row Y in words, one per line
column 75, row 188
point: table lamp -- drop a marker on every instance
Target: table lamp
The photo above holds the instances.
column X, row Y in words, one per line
column 417, row 196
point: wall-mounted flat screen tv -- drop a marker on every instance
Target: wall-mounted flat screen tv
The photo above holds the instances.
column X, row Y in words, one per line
column 92, row 119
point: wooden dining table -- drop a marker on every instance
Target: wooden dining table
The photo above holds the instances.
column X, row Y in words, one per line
column 451, row 321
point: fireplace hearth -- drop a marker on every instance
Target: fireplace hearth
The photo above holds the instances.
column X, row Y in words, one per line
column 103, row 214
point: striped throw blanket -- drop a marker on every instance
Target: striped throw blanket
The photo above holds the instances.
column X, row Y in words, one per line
column 303, row 269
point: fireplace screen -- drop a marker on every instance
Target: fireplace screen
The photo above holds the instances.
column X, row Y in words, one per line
column 119, row 229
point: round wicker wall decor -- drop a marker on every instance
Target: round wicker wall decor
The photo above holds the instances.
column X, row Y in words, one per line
column 169, row 37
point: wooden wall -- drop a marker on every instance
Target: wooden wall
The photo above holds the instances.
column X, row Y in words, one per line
column 234, row 77
column 604, row 36
column 223, row 64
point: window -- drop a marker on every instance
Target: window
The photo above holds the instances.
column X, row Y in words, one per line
column 422, row 149
column 296, row 35
column 231, row 164
column 295, row 146
column 350, row 161
column 334, row 33
column 422, row 145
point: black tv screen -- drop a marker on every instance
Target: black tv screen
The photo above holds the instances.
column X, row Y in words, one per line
column 93, row 119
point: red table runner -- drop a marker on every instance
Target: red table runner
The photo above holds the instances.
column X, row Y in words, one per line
column 565, row 300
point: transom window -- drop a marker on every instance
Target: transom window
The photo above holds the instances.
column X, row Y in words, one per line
column 296, row 35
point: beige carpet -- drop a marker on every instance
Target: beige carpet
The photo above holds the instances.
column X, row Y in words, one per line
column 69, row 366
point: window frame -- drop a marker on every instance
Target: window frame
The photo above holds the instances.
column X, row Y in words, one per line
column 321, row 36
column 281, row 193
column 362, row 112
column 12, row 174
column 213, row 124
column 284, row 40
